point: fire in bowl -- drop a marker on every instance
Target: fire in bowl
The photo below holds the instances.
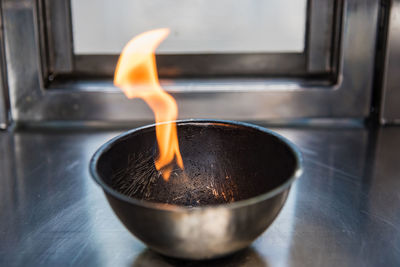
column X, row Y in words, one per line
column 235, row 181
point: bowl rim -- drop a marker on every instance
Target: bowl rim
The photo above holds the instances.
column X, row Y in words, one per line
column 297, row 172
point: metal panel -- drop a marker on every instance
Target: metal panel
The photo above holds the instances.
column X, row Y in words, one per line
column 4, row 102
column 59, row 35
column 253, row 99
column 320, row 35
column 390, row 109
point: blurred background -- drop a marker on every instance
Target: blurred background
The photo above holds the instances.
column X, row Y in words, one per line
column 288, row 62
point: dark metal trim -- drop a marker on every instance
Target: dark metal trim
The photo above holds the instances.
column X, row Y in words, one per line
column 59, row 46
column 390, row 94
column 317, row 52
column 319, row 39
column 204, row 65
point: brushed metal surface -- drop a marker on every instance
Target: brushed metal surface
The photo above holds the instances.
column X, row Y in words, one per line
column 344, row 211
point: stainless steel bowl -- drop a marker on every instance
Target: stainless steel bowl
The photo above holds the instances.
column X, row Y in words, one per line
column 237, row 178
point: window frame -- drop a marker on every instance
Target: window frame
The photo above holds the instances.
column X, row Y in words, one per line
column 346, row 95
column 57, row 31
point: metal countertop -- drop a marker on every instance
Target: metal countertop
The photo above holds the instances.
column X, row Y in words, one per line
column 343, row 211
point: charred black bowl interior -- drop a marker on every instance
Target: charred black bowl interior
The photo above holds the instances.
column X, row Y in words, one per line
column 235, row 181
column 222, row 163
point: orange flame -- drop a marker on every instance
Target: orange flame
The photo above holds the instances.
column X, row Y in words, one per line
column 136, row 74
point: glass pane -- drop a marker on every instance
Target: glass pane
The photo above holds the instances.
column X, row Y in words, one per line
column 197, row 26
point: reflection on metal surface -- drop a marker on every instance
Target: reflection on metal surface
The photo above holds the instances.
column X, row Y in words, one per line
column 343, row 211
column 246, row 257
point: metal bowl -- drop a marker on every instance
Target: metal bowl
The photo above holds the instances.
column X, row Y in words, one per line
column 237, row 177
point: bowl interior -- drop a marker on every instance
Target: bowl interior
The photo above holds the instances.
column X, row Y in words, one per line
column 223, row 163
